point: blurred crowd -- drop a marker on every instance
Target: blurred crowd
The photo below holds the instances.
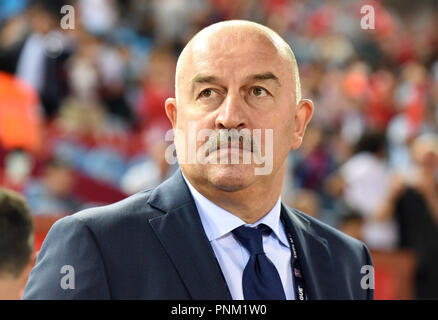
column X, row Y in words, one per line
column 82, row 118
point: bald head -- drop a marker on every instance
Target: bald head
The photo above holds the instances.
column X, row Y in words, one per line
column 237, row 76
column 225, row 36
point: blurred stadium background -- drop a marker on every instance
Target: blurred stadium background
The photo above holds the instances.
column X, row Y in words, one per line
column 82, row 121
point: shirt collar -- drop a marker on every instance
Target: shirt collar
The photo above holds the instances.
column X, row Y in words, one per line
column 218, row 222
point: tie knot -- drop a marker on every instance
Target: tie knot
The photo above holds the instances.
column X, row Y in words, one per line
column 251, row 238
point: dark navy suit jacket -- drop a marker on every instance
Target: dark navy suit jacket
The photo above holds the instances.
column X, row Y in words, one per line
column 152, row 246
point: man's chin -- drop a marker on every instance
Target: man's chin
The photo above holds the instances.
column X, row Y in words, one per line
column 231, row 177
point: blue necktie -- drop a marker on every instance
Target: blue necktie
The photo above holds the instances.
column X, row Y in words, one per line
column 260, row 280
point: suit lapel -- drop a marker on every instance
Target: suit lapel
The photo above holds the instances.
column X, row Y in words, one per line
column 181, row 233
column 313, row 254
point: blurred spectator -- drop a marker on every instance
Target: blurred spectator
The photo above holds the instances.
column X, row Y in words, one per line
column 314, row 163
column 379, row 106
column 37, row 55
column 113, row 67
column 410, row 94
column 414, row 205
column 366, row 177
column 158, row 85
column 18, row 166
column 52, row 193
column 82, row 72
column 16, row 244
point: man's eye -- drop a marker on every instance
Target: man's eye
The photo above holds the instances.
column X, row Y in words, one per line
column 207, row 93
column 258, row 92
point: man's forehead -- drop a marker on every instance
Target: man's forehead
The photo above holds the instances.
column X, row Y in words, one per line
column 247, row 51
column 230, row 37
column 213, row 51
column 232, row 40
column 241, row 41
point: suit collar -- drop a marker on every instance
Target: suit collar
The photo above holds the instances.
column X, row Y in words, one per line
column 218, row 222
column 171, row 194
column 314, row 255
column 181, row 233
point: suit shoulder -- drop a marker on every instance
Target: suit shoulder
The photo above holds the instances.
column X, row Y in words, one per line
column 334, row 236
column 131, row 208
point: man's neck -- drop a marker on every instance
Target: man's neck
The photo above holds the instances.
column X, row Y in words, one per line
column 249, row 204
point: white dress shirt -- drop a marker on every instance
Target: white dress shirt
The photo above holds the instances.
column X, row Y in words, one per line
column 231, row 255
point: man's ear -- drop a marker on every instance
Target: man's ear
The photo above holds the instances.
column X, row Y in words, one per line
column 171, row 110
column 303, row 115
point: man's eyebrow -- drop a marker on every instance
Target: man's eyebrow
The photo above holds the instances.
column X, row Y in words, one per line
column 264, row 76
column 202, row 78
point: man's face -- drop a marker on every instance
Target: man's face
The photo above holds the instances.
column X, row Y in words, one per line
column 230, row 82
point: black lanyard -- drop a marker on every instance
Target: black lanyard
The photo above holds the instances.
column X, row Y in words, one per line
column 297, row 275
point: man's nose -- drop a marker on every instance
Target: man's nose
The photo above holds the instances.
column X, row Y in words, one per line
column 232, row 114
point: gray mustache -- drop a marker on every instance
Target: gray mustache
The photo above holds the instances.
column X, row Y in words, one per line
column 223, row 138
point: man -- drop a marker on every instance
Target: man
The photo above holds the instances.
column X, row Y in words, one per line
column 16, row 244
column 215, row 230
column 30, row 54
column 51, row 194
column 413, row 204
